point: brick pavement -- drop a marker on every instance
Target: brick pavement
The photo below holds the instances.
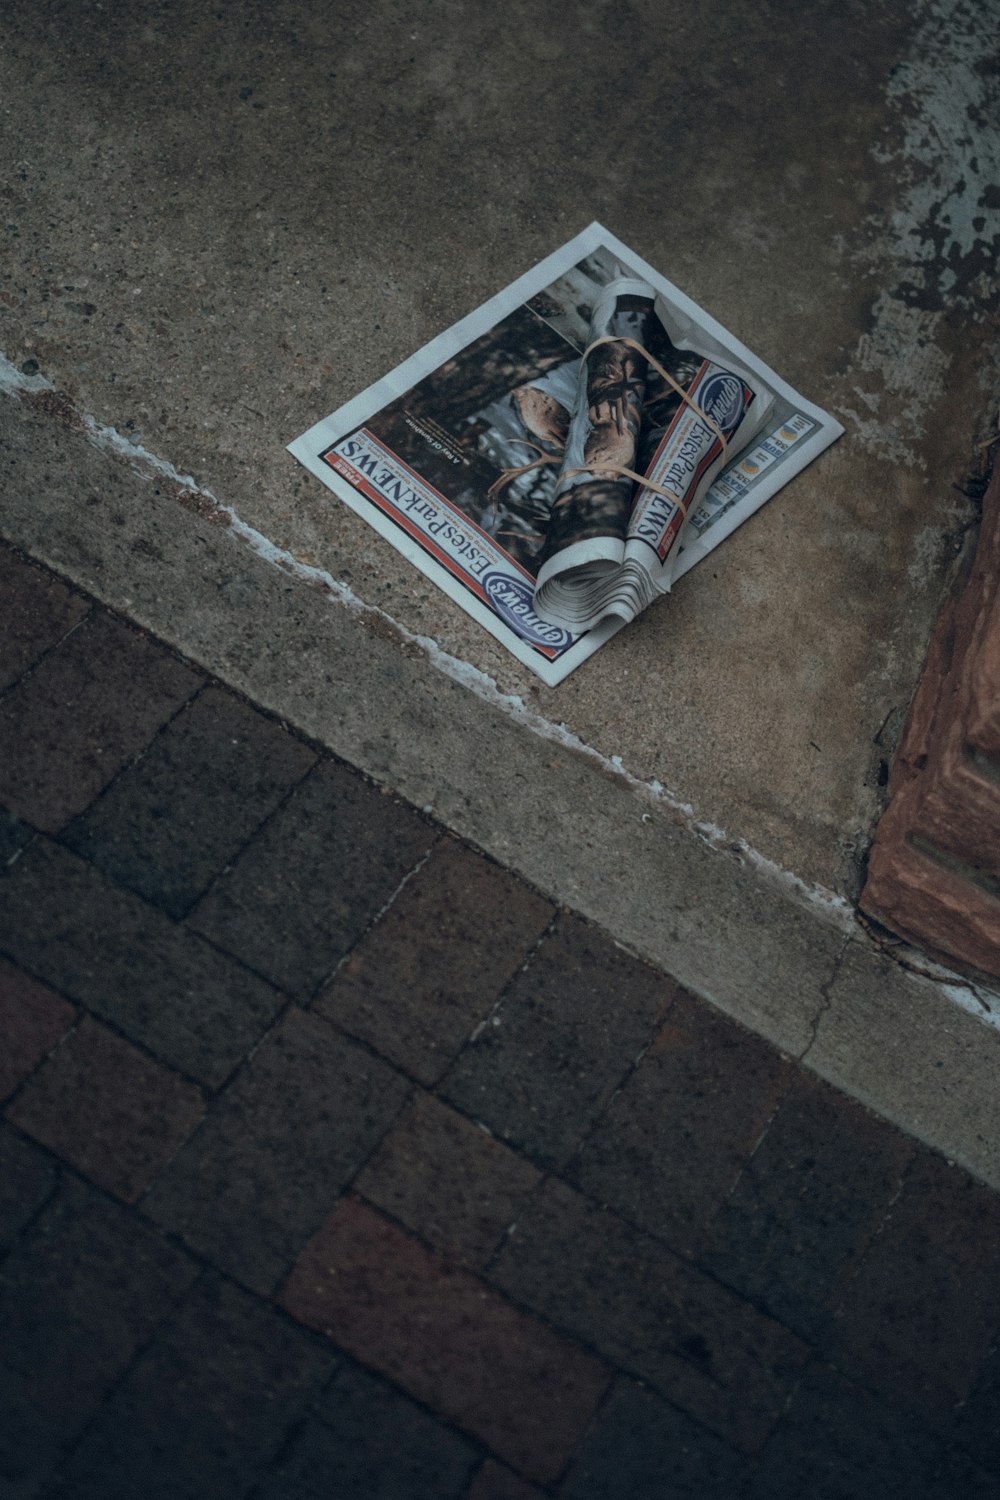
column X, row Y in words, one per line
column 336, row 1162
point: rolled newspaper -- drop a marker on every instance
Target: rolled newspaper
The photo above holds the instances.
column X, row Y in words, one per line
column 654, row 420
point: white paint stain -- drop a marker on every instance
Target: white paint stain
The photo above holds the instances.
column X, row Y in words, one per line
column 937, row 240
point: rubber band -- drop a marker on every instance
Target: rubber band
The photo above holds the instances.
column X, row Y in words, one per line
column 610, row 338
column 509, row 475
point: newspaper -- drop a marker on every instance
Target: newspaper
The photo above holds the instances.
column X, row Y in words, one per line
column 560, row 457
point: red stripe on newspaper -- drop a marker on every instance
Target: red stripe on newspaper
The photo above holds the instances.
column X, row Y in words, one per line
column 677, row 521
column 394, row 458
column 453, row 566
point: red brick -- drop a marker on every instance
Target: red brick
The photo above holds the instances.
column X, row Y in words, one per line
column 317, row 874
column 32, row 1020
column 934, row 870
column 164, row 986
column 448, row 1180
column 87, row 709
column 436, row 962
column 447, row 1338
column 37, row 612
column 176, row 817
column 108, row 1110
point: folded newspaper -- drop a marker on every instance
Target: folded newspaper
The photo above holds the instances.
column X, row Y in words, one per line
column 559, row 458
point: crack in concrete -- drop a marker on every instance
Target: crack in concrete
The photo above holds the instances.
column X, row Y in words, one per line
column 902, row 953
column 826, row 998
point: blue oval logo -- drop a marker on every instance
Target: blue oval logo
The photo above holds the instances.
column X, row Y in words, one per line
column 513, row 599
column 721, row 398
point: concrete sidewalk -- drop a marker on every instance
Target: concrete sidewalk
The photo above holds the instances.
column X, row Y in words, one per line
column 337, row 1161
column 220, row 224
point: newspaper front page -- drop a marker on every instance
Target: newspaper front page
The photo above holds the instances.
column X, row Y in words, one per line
column 493, row 459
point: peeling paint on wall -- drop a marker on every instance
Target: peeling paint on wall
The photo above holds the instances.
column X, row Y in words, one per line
column 937, row 245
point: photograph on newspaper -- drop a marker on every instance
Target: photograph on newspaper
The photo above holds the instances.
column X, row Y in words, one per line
column 556, row 460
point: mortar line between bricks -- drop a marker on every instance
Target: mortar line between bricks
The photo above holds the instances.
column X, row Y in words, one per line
column 688, row 1262
column 350, row 1362
column 794, row 1071
column 53, row 647
column 879, row 1228
column 630, row 1069
column 57, row 1046
column 487, row 1020
column 205, row 1267
column 69, row 1447
column 211, row 1097
column 105, row 790
column 882, row 1400
column 575, row 1340
column 375, row 920
column 60, row 1167
column 230, row 864
column 109, row 1025
column 23, row 848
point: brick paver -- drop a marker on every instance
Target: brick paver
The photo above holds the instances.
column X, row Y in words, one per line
column 922, row 1312
column 14, row 834
column 447, row 1338
column 87, row 709
column 33, row 1018
column 806, row 1207
column 434, row 966
column 837, row 1443
column 284, row 1141
column 639, row 1447
column 173, row 820
column 109, row 1110
column 670, row 1146
column 82, row 1291
column 27, row 1180
column 651, row 1313
column 366, row 1439
column 164, row 986
column 38, row 611
column 304, row 891
column 975, row 1425
column 505, row 1215
column 560, row 1042
column 449, row 1181
column 207, row 1405
column 494, row 1482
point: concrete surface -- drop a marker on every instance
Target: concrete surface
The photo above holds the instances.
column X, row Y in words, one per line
column 220, row 222
column 781, row 957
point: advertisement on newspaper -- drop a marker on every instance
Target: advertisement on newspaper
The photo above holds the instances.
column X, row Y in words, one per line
column 557, row 459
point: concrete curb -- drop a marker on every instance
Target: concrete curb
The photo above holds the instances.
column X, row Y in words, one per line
column 785, row 961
